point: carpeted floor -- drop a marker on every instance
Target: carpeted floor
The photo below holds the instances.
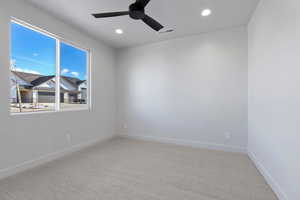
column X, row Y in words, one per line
column 124, row 169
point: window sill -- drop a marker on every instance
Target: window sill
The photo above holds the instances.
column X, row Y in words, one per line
column 50, row 112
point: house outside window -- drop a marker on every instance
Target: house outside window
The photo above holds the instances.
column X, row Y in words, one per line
column 47, row 72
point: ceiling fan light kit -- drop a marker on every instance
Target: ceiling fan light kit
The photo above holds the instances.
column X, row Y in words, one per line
column 136, row 12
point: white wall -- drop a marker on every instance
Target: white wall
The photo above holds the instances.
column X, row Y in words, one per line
column 190, row 90
column 29, row 137
column 274, row 94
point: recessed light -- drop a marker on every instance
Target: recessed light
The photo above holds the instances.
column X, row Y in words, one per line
column 119, row 31
column 206, row 12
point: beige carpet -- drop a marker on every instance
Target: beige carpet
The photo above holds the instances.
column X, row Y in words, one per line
column 124, row 169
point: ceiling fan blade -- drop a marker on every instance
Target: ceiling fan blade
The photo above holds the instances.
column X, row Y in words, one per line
column 152, row 23
column 110, row 14
column 143, row 2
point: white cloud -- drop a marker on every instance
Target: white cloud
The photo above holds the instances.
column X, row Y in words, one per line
column 35, row 54
column 12, row 63
column 64, row 71
column 26, row 71
column 75, row 74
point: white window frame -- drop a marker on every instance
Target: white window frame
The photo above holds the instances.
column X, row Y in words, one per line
column 58, row 40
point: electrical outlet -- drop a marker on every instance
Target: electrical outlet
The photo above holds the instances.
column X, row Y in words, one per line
column 69, row 138
column 125, row 126
column 227, row 135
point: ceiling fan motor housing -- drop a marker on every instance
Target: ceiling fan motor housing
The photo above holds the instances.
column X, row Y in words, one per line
column 136, row 11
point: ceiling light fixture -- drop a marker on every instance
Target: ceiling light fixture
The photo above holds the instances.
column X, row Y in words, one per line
column 206, row 12
column 119, row 31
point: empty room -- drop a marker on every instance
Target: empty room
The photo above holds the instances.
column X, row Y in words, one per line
column 149, row 100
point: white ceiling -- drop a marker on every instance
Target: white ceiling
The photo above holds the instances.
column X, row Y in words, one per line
column 182, row 15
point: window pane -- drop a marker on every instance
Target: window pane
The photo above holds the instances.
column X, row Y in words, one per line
column 33, row 65
column 74, row 85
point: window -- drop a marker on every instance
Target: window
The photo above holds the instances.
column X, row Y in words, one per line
column 47, row 73
column 73, row 77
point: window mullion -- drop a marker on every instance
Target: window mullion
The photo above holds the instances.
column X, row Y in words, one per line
column 57, row 76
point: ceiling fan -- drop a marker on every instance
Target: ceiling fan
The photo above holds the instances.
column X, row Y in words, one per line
column 136, row 12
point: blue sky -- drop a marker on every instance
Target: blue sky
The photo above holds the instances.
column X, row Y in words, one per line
column 34, row 52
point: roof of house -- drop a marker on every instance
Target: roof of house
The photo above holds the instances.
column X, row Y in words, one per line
column 71, row 80
column 41, row 80
column 37, row 79
column 27, row 76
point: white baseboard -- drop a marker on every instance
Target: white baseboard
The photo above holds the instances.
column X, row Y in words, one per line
column 47, row 158
column 53, row 156
column 270, row 180
column 190, row 143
